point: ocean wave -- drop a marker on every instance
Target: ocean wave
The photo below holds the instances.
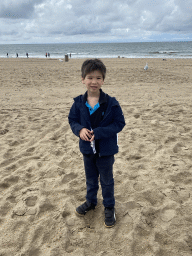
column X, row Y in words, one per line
column 164, row 52
column 104, row 50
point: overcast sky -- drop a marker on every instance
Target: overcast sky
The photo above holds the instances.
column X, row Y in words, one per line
column 68, row 21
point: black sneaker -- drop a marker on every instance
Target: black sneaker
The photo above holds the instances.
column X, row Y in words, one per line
column 110, row 217
column 84, row 208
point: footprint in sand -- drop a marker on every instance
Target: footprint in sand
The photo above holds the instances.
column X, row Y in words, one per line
column 31, row 200
column 150, row 217
column 189, row 242
column 68, row 177
column 11, row 199
column 162, row 238
column 30, row 150
column 20, row 209
column 4, row 131
column 182, row 177
column 28, row 204
column 8, row 154
column 9, row 182
column 44, row 206
column 4, row 209
column 154, row 197
column 167, row 214
column 177, row 148
column 14, row 143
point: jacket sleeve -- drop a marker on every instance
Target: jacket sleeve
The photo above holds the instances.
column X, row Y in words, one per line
column 74, row 120
column 114, row 127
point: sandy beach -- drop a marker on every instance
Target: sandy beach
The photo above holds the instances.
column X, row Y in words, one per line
column 42, row 177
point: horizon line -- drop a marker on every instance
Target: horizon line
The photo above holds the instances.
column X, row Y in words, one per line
column 168, row 41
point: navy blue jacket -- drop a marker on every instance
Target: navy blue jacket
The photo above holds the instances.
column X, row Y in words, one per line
column 106, row 132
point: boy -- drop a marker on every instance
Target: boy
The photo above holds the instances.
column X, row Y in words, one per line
column 96, row 118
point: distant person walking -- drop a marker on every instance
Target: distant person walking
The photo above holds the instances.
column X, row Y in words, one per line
column 27, row 55
column 46, row 55
column 7, row 55
column 17, row 55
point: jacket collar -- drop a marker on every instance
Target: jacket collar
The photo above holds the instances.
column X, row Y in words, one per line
column 102, row 98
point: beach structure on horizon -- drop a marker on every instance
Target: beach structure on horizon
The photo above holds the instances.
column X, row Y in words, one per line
column 66, row 57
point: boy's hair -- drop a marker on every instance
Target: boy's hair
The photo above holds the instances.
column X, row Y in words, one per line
column 91, row 65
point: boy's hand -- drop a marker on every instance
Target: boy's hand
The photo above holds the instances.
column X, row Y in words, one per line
column 85, row 134
column 92, row 136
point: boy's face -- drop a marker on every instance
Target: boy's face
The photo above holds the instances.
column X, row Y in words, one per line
column 93, row 81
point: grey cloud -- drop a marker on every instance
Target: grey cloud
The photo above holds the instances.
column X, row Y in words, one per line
column 97, row 18
column 80, row 19
column 160, row 16
column 104, row 16
column 179, row 19
column 22, row 9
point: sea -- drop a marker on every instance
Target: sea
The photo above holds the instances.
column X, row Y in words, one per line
column 99, row 50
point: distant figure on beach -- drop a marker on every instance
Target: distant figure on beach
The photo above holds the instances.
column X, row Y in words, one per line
column 70, row 55
column 27, row 55
column 46, row 54
column 17, row 55
column 7, row 55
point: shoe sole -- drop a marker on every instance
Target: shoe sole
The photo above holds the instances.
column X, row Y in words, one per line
column 79, row 215
column 109, row 226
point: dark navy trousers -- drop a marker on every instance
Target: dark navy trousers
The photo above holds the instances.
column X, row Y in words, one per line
column 99, row 167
